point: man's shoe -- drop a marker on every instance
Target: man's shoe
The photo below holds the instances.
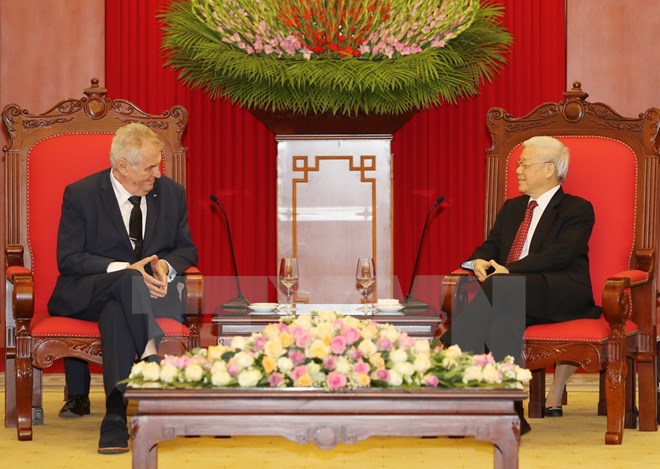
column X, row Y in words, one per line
column 525, row 427
column 554, row 411
column 114, row 435
column 75, row 407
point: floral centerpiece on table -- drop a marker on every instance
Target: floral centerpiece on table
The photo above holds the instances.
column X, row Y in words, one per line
column 338, row 57
column 330, row 351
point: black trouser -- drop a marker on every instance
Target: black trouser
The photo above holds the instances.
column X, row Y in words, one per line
column 126, row 316
column 498, row 313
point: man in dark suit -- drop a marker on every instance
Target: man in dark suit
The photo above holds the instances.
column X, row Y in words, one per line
column 122, row 240
column 534, row 265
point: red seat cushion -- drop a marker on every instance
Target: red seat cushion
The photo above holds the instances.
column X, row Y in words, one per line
column 578, row 330
column 52, row 326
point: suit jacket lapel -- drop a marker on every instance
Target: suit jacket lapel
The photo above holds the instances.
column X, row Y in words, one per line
column 110, row 202
column 153, row 206
column 546, row 221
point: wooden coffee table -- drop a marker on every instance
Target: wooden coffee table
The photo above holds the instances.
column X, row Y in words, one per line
column 307, row 415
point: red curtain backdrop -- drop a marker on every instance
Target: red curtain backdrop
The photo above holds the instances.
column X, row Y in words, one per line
column 439, row 152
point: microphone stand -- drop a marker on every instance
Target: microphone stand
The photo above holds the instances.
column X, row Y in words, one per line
column 240, row 302
column 410, row 302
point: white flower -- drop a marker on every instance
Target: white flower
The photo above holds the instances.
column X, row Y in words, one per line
column 491, row 374
column 392, row 333
column 137, row 370
column 422, row 346
column 284, row 364
column 405, row 369
column 151, row 371
column 343, row 365
column 249, row 378
column 472, row 373
column 523, row 375
column 194, row 372
column 395, row 379
column 367, row 347
column 422, row 363
column 168, row 373
column 238, row 343
column 243, row 360
column 398, row 356
column 220, row 376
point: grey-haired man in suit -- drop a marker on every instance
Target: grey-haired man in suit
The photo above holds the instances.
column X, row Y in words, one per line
column 123, row 238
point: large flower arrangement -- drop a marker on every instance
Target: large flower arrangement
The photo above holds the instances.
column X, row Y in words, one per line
column 335, row 56
column 326, row 350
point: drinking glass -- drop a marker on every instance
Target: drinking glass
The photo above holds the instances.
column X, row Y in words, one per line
column 365, row 274
column 288, row 276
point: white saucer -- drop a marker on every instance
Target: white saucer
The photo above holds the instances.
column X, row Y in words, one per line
column 389, row 308
column 262, row 307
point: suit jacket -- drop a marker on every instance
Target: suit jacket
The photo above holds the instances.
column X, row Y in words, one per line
column 92, row 234
column 558, row 251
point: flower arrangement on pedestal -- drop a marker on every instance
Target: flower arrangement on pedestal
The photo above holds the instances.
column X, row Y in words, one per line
column 327, row 350
column 339, row 57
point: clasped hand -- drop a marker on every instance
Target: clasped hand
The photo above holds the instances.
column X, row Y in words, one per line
column 156, row 283
column 482, row 267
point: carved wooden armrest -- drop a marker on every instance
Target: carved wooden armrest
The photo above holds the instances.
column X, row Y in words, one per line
column 22, row 297
column 637, row 303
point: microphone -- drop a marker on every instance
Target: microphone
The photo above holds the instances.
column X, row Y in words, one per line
column 409, row 301
column 238, row 303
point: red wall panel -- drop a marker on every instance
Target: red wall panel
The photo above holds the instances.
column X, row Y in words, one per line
column 440, row 151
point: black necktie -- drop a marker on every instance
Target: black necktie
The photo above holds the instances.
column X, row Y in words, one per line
column 135, row 225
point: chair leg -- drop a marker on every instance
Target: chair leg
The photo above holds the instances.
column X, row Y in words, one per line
column 23, row 377
column 37, row 397
column 647, row 396
column 537, row 394
column 602, row 400
column 615, row 393
column 631, row 407
column 10, row 391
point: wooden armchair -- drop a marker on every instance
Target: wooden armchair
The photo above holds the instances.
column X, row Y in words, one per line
column 615, row 165
column 45, row 153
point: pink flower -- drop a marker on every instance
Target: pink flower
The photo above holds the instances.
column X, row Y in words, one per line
column 382, row 374
column 384, row 343
column 351, row 335
column 361, row 367
column 330, row 362
column 259, row 343
column 232, row 369
column 275, row 380
column 355, row 353
column 338, row 344
column 483, row 359
column 296, row 356
column 406, row 341
column 336, row 380
column 298, row 372
column 431, row 381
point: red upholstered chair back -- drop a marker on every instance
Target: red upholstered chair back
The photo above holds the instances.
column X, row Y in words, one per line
column 603, row 171
column 48, row 151
column 613, row 164
column 52, row 164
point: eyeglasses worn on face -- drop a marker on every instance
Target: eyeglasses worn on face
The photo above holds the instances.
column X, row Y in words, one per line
column 524, row 166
